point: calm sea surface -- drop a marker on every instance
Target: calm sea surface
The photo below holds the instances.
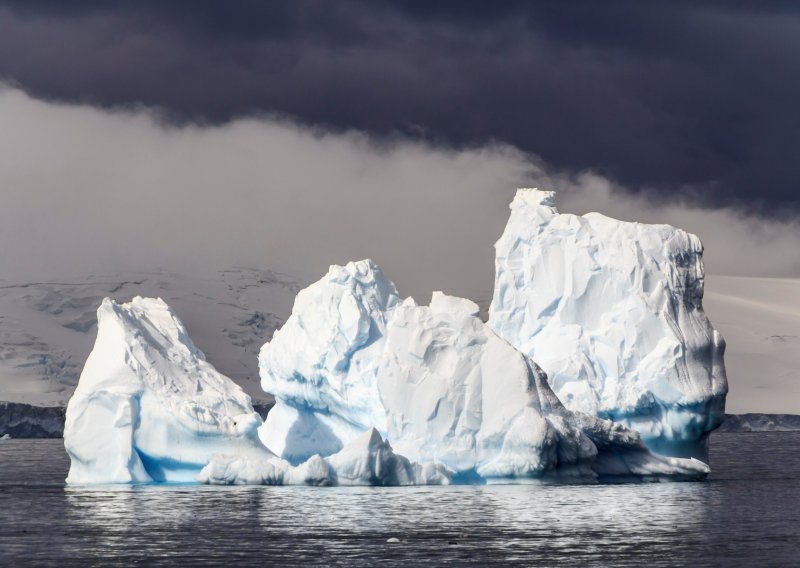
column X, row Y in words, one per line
column 747, row 513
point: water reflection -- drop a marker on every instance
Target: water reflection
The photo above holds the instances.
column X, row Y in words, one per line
column 338, row 524
column 749, row 511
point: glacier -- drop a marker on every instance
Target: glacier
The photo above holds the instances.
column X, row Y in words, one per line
column 437, row 383
column 612, row 311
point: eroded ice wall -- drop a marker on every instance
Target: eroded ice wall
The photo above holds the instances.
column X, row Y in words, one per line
column 148, row 406
column 612, row 311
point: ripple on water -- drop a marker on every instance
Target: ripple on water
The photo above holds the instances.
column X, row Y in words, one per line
column 748, row 512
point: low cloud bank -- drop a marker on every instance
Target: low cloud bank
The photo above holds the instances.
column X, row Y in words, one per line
column 737, row 243
column 86, row 190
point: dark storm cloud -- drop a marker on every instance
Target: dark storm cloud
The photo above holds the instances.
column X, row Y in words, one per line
column 670, row 95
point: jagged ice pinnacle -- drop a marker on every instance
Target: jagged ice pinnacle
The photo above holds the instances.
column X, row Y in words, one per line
column 612, row 311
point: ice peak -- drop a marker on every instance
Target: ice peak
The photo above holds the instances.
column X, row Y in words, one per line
column 535, row 197
column 145, row 390
column 357, row 267
column 443, row 303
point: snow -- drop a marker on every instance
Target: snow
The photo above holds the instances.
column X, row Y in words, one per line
column 47, row 327
column 612, row 311
column 434, row 381
column 320, row 365
column 148, row 406
column 760, row 320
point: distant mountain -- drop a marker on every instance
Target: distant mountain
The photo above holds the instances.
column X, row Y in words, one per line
column 47, row 328
column 760, row 423
column 18, row 420
column 760, row 321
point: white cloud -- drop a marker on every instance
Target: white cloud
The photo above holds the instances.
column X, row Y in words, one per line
column 736, row 243
column 86, row 190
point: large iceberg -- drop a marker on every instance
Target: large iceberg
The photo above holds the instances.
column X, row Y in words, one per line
column 148, row 406
column 612, row 311
column 437, row 383
column 374, row 389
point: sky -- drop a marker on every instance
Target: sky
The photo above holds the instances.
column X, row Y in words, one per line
column 196, row 136
column 695, row 98
column 93, row 191
column 299, row 134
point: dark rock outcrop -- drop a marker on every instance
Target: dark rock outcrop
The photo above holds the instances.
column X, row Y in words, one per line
column 19, row 420
column 756, row 422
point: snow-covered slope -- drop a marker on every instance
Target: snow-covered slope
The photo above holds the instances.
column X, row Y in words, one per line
column 613, row 313
column 435, row 381
column 148, row 406
column 760, row 321
column 47, row 328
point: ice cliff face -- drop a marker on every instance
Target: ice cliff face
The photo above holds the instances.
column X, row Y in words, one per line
column 323, row 363
column 436, row 382
column 148, row 406
column 612, row 311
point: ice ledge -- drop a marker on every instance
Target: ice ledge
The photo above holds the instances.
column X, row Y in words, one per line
column 535, row 197
column 442, row 303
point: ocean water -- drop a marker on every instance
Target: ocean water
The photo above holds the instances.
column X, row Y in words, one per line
column 746, row 514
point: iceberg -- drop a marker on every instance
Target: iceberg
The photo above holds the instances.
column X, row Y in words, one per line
column 437, row 383
column 612, row 311
column 148, row 406
column 597, row 363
